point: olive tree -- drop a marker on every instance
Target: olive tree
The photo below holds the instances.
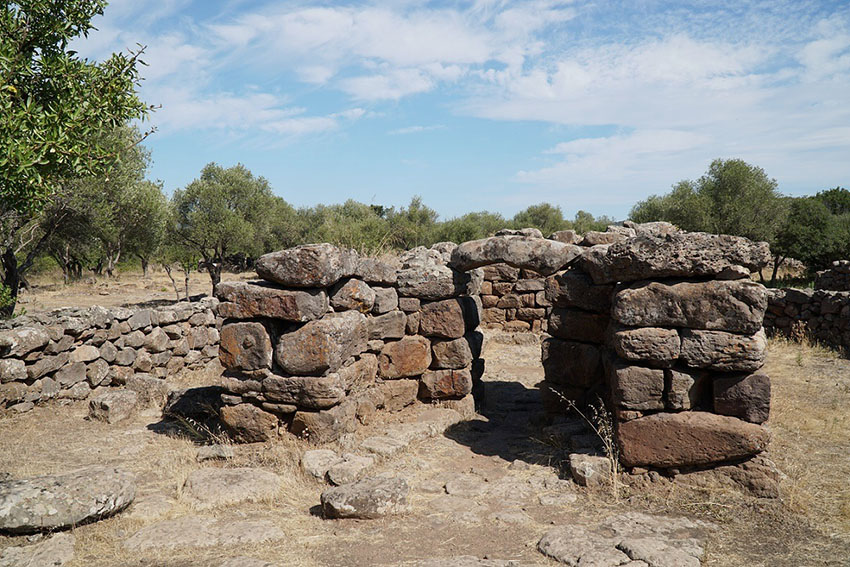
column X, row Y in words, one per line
column 223, row 212
column 53, row 107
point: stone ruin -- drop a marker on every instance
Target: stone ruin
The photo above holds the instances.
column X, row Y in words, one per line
column 837, row 278
column 662, row 327
column 327, row 338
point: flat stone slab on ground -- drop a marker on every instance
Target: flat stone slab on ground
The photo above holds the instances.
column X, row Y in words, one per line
column 463, row 561
column 211, row 487
column 53, row 552
column 368, row 498
column 639, row 540
column 201, row 532
column 54, row 502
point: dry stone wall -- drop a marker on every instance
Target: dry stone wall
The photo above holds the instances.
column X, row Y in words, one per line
column 818, row 314
column 662, row 325
column 836, row 278
column 71, row 353
column 327, row 338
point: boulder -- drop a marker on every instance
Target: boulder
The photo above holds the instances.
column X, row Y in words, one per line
column 97, row 371
column 678, row 254
column 386, row 300
column 388, row 326
column 45, row 365
column 353, row 294
column 326, row 425
column 213, row 487
column 566, row 236
column 308, row 265
column 12, row 370
column 590, row 470
column 455, row 353
column 636, row 387
column 734, row 306
column 366, row 499
column 442, row 384
column 374, row 271
column 411, row 356
column 350, row 469
column 500, row 273
column 245, row 346
column 595, row 238
column 248, row 423
column 571, row 363
column 538, row 254
column 317, row 462
column 246, row 300
column 434, row 281
column 113, row 406
column 308, row 392
column 55, row 551
column 530, row 232
column 398, row 394
column 84, row 353
column 20, row 342
column 55, row 502
column 745, row 396
column 322, row 346
column 690, row 438
column 727, row 352
column 685, row 388
column 152, row 392
column 71, row 374
column 577, row 325
column 443, row 319
column 361, row 374
column 652, row 346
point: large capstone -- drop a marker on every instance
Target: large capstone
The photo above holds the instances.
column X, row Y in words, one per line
column 49, row 503
column 308, row 265
column 734, row 306
column 324, row 345
column 719, row 350
column 541, row 255
column 677, row 254
column 246, row 300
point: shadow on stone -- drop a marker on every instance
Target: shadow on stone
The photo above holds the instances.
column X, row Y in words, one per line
column 192, row 413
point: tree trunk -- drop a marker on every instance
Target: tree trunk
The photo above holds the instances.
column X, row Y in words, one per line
column 214, row 269
column 168, row 268
column 777, row 261
column 145, row 268
column 186, row 281
column 11, row 280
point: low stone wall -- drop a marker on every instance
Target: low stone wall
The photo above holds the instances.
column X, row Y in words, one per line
column 836, row 278
column 818, row 314
column 327, row 338
column 69, row 353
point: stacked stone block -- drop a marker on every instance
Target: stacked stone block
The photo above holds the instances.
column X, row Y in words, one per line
column 69, row 353
column 666, row 328
column 836, row 278
column 816, row 314
column 514, row 299
column 327, row 338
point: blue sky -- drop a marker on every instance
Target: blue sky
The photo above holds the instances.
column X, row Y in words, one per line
column 490, row 105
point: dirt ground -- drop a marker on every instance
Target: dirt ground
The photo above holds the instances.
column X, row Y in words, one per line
column 512, row 493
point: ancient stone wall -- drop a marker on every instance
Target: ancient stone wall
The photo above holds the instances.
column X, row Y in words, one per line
column 327, row 338
column 70, row 353
column 514, row 299
column 814, row 313
column 836, row 278
column 663, row 326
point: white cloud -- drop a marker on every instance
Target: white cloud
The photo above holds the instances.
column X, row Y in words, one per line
column 416, row 129
column 391, row 85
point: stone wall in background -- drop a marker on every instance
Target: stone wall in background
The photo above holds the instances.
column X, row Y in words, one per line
column 814, row 313
column 836, row 278
column 75, row 353
column 327, row 338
